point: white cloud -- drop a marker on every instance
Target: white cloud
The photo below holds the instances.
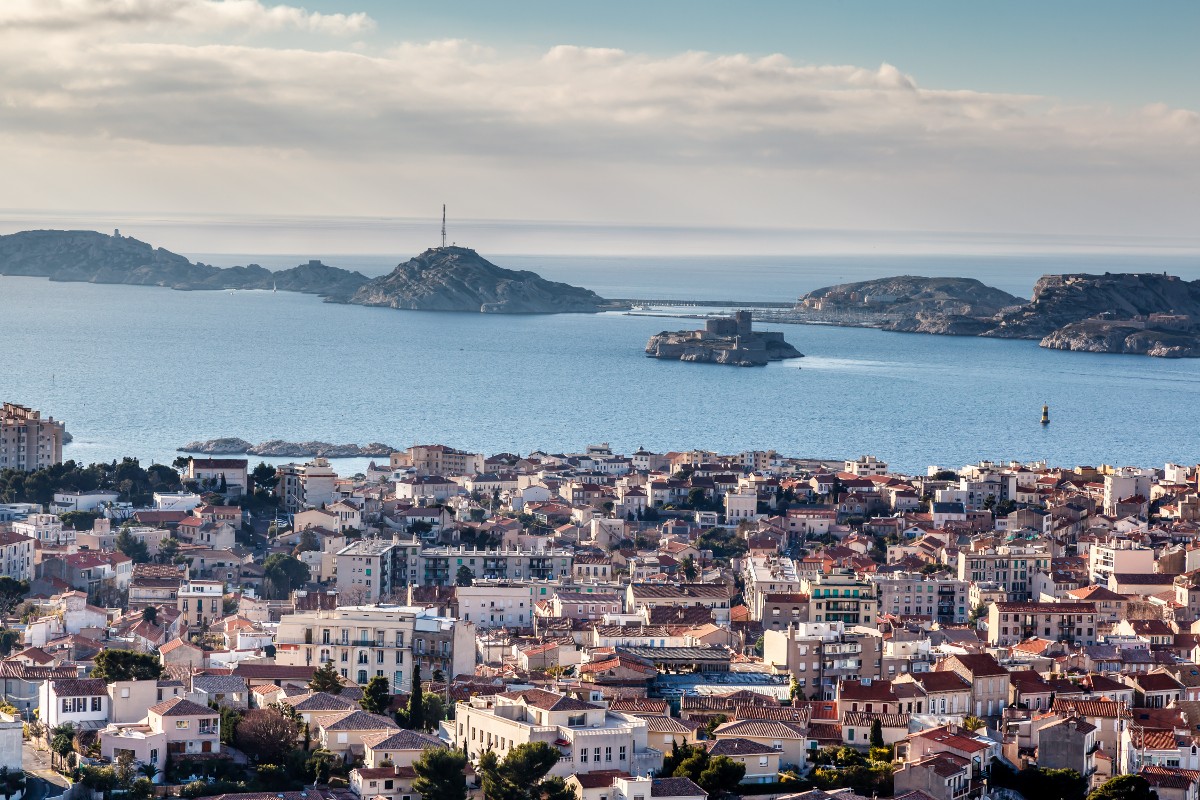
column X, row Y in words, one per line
column 186, row 15
column 574, row 132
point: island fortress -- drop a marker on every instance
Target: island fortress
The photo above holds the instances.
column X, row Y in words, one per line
column 723, row 340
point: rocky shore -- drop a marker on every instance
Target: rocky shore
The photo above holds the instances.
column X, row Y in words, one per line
column 723, row 340
column 1136, row 313
column 278, row 448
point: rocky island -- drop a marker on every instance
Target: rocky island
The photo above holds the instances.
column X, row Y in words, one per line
column 723, row 340
column 94, row 257
column 1135, row 313
column 459, row 279
column 278, row 448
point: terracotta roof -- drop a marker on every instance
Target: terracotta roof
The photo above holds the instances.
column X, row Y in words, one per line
column 639, row 705
column 354, row 721
column 760, row 729
column 600, row 778
column 1108, row 709
column 401, row 740
column 943, row 681
column 549, row 701
column 80, row 687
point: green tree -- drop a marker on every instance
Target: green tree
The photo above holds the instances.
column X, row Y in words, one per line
column 150, row 614
column 282, row 574
column 230, row 719
column 9, row 639
column 440, row 774
column 433, row 710
column 416, row 706
column 79, row 520
column 62, row 740
column 126, row 665
column 377, row 696
column 321, row 762
column 1124, row 787
column 308, row 542
column 689, row 568
column 12, row 592
column 721, row 776
column 267, row 734
column 168, row 549
column 464, row 576
column 263, row 477
column 522, row 774
column 876, row 733
column 131, row 546
column 326, row 679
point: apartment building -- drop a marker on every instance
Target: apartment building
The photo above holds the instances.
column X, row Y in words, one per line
column 438, row 459
column 212, row 471
column 910, row 594
column 439, row 566
column 308, row 485
column 199, row 603
column 1012, row 568
column 1119, row 556
column 819, row 655
column 1010, row 623
column 371, row 570
column 646, row 597
column 588, row 736
column 865, row 467
column 496, row 604
column 370, row 640
column 16, row 556
column 766, row 575
column 841, row 596
column 28, row 442
column 47, row 529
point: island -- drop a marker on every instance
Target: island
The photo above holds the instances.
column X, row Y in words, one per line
column 1136, row 313
column 278, row 448
column 93, row 257
column 456, row 278
column 723, row 340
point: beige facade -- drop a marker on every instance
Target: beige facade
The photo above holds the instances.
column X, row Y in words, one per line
column 189, row 728
column 28, row 442
column 199, row 603
column 1012, row 623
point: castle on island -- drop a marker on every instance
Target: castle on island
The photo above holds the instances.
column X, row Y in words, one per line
column 723, row 340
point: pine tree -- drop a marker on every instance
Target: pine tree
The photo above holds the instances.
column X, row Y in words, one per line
column 377, row 696
column 326, row 679
column 416, row 705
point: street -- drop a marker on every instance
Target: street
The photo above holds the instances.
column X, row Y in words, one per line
column 42, row 782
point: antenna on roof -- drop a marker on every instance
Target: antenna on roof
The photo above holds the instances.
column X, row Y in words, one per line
column 443, row 224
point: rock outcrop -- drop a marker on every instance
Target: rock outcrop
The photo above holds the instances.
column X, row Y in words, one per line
column 94, row 257
column 1101, row 336
column 278, row 448
column 723, row 340
column 459, row 279
column 906, row 296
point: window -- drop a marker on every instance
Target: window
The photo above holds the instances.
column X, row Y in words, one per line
column 96, row 703
column 153, row 756
column 621, row 753
column 181, row 724
column 608, row 754
column 762, row 761
column 583, row 755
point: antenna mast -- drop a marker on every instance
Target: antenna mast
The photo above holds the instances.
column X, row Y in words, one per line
column 443, row 224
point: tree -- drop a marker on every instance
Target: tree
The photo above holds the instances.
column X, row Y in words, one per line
column 440, row 774
column 433, row 710
column 321, row 761
column 713, row 724
column 133, row 547
column 12, row 592
column 715, row 775
column 877, row 733
column 62, row 739
column 263, row 477
column 168, row 549
column 464, row 576
column 416, row 706
column 689, row 568
column 721, row 776
column 326, row 679
column 377, row 696
column 972, row 722
column 150, row 614
column 126, row 665
column 308, row 541
column 521, row 776
column 230, row 719
column 11, row 782
column 267, row 735
column 282, row 574
column 9, row 638
column 1124, row 787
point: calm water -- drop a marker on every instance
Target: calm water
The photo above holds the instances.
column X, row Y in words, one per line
column 140, row 371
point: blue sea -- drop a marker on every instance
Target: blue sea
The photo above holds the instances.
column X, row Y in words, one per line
column 140, row 371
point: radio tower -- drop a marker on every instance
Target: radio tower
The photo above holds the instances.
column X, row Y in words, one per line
column 443, row 225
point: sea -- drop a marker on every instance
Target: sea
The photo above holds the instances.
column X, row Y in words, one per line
column 141, row 371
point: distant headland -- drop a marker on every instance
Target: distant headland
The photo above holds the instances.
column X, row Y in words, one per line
column 447, row 278
column 1136, row 313
column 723, row 340
column 280, row 449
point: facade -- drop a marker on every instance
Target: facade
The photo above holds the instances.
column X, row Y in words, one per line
column 905, row 594
column 841, row 596
column 16, row 556
column 83, row 702
column 187, row 728
column 1012, row 623
column 308, row 485
column 384, row 640
column 439, row 566
column 768, row 575
column 437, row 459
column 821, row 655
column 370, row 570
column 589, row 737
column 496, row 605
column 46, row 529
column 199, row 603
column 1011, row 568
column 28, row 442
column 209, row 472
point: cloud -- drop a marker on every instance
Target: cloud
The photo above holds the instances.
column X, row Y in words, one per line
column 186, row 15
column 572, row 130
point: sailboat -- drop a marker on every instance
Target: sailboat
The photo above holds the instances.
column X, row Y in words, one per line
column 274, row 286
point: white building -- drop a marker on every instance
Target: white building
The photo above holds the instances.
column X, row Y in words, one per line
column 497, row 605
column 865, row 467
column 176, row 501
column 46, row 529
column 740, row 505
column 94, row 500
column 16, row 556
column 83, row 702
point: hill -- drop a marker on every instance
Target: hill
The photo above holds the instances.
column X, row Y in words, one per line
column 459, row 279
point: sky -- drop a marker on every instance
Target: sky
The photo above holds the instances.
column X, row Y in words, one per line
column 1016, row 121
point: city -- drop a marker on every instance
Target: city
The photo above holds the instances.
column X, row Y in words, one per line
column 688, row 623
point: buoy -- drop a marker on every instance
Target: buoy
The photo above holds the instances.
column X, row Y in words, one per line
column 1045, row 415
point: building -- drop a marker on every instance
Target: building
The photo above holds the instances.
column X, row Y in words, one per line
column 16, row 556
column 909, row 594
column 1011, row 568
column 376, row 570
column 438, row 459
column 1011, row 623
column 199, row 603
column 588, row 736
column 865, row 467
column 188, row 728
column 308, row 485
column 28, row 442
column 496, row 604
column 1119, row 556
column 46, row 529
column 820, row 655
column 841, row 596
column 83, row 702
column 439, row 566
column 768, row 575
column 377, row 640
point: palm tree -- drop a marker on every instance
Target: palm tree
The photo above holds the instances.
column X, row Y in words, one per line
column 150, row 771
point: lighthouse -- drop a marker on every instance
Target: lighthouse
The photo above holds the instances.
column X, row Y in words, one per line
column 1045, row 414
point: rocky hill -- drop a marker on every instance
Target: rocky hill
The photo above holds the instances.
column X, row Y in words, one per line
column 281, row 449
column 906, row 296
column 95, row 257
column 459, row 279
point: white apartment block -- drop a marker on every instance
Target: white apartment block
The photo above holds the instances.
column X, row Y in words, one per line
column 439, row 565
column 588, row 736
column 378, row 640
column 1012, row 623
column 16, row 556
column 1120, row 555
column 47, row 529
column 865, row 467
column 28, row 442
column 1012, row 568
column 497, row 605
column 768, row 575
